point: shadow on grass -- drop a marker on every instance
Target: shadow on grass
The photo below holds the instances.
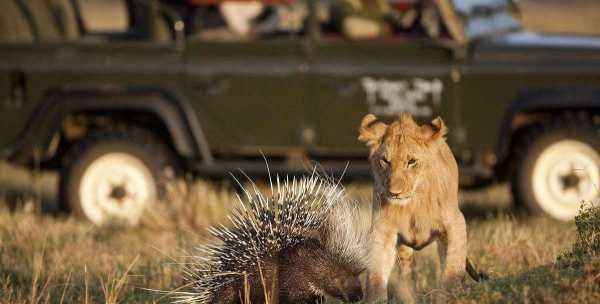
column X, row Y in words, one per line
column 540, row 284
column 473, row 210
column 18, row 197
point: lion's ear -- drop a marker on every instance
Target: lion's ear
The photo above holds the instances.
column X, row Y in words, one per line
column 371, row 131
column 439, row 129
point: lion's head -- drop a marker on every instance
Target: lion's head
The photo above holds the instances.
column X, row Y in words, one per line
column 401, row 154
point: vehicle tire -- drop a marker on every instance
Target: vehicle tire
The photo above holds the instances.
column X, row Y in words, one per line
column 557, row 167
column 113, row 176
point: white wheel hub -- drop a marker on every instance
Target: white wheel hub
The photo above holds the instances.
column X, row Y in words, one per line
column 566, row 174
column 116, row 187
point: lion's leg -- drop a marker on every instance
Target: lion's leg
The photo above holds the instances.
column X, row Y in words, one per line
column 453, row 251
column 442, row 249
column 406, row 285
column 382, row 254
column 438, row 264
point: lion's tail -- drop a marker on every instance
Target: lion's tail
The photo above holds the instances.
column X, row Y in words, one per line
column 476, row 275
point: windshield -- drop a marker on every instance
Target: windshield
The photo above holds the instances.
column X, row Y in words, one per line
column 484, row 18
column 478, row 18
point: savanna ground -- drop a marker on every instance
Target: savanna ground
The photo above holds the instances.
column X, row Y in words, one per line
column 45, row 258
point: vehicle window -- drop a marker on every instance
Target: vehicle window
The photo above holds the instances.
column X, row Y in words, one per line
column 38, row 20
column 104, row 16
column 66, row 19
column 14, row 26
column 482, row 18
column 373, row 19
column 247, row 20
column 351, row 19
column 135, row 20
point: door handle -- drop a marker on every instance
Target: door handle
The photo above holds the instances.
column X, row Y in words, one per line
column 16, row 90
column 346, row 89
column 217, row 87
column 213, row 87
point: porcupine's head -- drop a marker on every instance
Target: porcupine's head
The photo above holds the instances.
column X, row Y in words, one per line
column 302, row 226
column 311, row 270
column 330, row 262
column 345, row 235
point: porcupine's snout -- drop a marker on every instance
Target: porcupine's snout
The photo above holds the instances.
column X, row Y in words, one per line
column 348, row 289
column 354, row 290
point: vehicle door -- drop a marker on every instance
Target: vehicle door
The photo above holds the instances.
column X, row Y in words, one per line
column 95, row 44
column 384, row 76
column 15, row 34
column 119, row 44
column 247, row 91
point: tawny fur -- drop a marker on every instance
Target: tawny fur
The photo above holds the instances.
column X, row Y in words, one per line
column 415, row 202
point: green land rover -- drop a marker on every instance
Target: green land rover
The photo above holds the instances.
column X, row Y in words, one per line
column 116, row 94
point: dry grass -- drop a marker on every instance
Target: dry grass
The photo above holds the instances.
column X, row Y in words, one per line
column 55, row 259
column 573, row 278
column 50, row 258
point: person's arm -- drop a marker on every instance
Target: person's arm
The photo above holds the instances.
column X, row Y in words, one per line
column 452, row 20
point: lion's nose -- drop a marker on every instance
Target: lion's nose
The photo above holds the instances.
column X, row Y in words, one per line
column 399, row 187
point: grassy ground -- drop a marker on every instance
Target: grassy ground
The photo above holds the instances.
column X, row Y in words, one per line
column 46, row 258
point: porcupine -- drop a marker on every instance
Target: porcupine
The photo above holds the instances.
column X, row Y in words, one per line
column 302, row 242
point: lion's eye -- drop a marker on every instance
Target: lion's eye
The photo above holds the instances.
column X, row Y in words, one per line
column 411, row 163
column 384, row 162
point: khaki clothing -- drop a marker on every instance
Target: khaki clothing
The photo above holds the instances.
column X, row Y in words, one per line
column 362, row 19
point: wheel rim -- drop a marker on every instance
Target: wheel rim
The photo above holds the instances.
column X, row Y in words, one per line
column 566, row 174
column 116, row 187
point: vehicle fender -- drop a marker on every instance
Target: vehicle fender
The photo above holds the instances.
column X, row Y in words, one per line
column 174, row 111
column 545, row 101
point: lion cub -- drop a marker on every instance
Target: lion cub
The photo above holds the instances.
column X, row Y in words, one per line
column 415, row 202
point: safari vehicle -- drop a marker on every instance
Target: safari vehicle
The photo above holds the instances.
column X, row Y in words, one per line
column 115, row 104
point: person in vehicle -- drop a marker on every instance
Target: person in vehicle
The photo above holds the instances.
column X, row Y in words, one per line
column 240, row 20
column 362, row 19
column 367, row 19
column 240, row 16
column 416, row 16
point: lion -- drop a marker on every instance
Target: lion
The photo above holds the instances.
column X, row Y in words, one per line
column 415, row 202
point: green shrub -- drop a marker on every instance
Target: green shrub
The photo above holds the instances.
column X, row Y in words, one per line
column 587, row 223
